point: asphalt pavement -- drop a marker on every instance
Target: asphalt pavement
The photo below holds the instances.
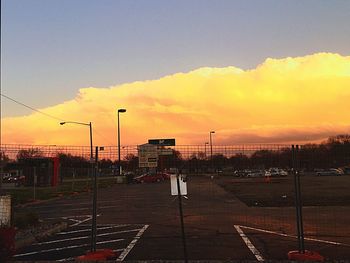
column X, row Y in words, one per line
column 141, row 222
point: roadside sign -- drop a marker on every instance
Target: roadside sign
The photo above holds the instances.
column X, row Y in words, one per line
column 173, row 184
column 148, row 156
column 162, row 142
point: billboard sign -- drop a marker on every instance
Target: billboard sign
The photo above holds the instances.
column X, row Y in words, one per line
column 162, row 142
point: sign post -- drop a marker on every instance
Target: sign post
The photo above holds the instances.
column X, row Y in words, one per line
column 181, row 218
column 179, row 188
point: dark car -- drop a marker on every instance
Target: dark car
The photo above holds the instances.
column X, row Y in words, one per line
column 330, row 172
column 346, row 170
column 149, row 178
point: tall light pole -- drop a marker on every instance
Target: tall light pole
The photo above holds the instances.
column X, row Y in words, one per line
column 94, row 197
column 119, row 166
column 85, row 124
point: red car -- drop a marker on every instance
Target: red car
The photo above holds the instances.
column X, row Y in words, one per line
column 149, row 178
column 165, row 175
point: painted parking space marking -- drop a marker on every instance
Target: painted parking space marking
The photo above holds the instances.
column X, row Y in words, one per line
column 86, row 237
column 82, row 221
column 77, row 220
column 89, row 229
column 67, row 247
column 89, row 208
column 249, row 244
column 293, row 236
column 132, row 244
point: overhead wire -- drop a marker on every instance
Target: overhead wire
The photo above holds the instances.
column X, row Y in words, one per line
column 29, row 107
column 102, row 136
column 49, row 115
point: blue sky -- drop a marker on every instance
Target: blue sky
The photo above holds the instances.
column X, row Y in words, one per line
column 51, row 48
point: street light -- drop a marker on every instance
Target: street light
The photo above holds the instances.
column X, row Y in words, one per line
column 119, row 166
column 94, row 201
column 85, row 124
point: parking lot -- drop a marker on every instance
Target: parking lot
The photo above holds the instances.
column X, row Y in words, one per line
column 75, row 241
column 141, row 221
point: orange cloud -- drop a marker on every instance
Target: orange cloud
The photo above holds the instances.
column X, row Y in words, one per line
column 282, row 100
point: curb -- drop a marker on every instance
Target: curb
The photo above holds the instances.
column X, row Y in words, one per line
column 32, row 239
column 38, row 201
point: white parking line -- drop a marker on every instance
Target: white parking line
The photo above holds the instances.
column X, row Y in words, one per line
column 89, row 229
column 83, row 221
column 249, row 244
column 85, row 237
column 68, row 247
column 285, row 235
column 132, row 244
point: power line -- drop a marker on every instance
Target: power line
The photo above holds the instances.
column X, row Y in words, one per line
column 47, row 115
column 103, row 137
column 24, row 105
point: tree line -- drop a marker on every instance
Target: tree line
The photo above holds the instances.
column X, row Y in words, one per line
column 334, row 152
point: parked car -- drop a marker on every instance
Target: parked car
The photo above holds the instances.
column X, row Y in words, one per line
column 5, row 176
column 332, row 171
column 165, row 175
column 239, row 173
column 256, row 173
column 346, row 170
column 149, row 178
column 276, row 172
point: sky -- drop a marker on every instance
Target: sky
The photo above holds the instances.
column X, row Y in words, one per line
column 181, row 68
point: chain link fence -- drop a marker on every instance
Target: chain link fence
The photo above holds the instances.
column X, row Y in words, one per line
column 231, row 190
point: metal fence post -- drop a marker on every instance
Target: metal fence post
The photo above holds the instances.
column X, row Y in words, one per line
column 34, row 182
column 181, row 217
column 94, row 205
column 302, row 246
column 298, row 203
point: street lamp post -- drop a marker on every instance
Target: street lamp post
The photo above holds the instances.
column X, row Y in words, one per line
column 211, row 149
column 94, row 201
column 90, row 127
column 119, row 166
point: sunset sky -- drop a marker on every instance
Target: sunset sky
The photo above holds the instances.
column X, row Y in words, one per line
column 253, row 71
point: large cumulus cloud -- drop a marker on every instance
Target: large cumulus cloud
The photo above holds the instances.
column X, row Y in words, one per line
column 282, row 100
